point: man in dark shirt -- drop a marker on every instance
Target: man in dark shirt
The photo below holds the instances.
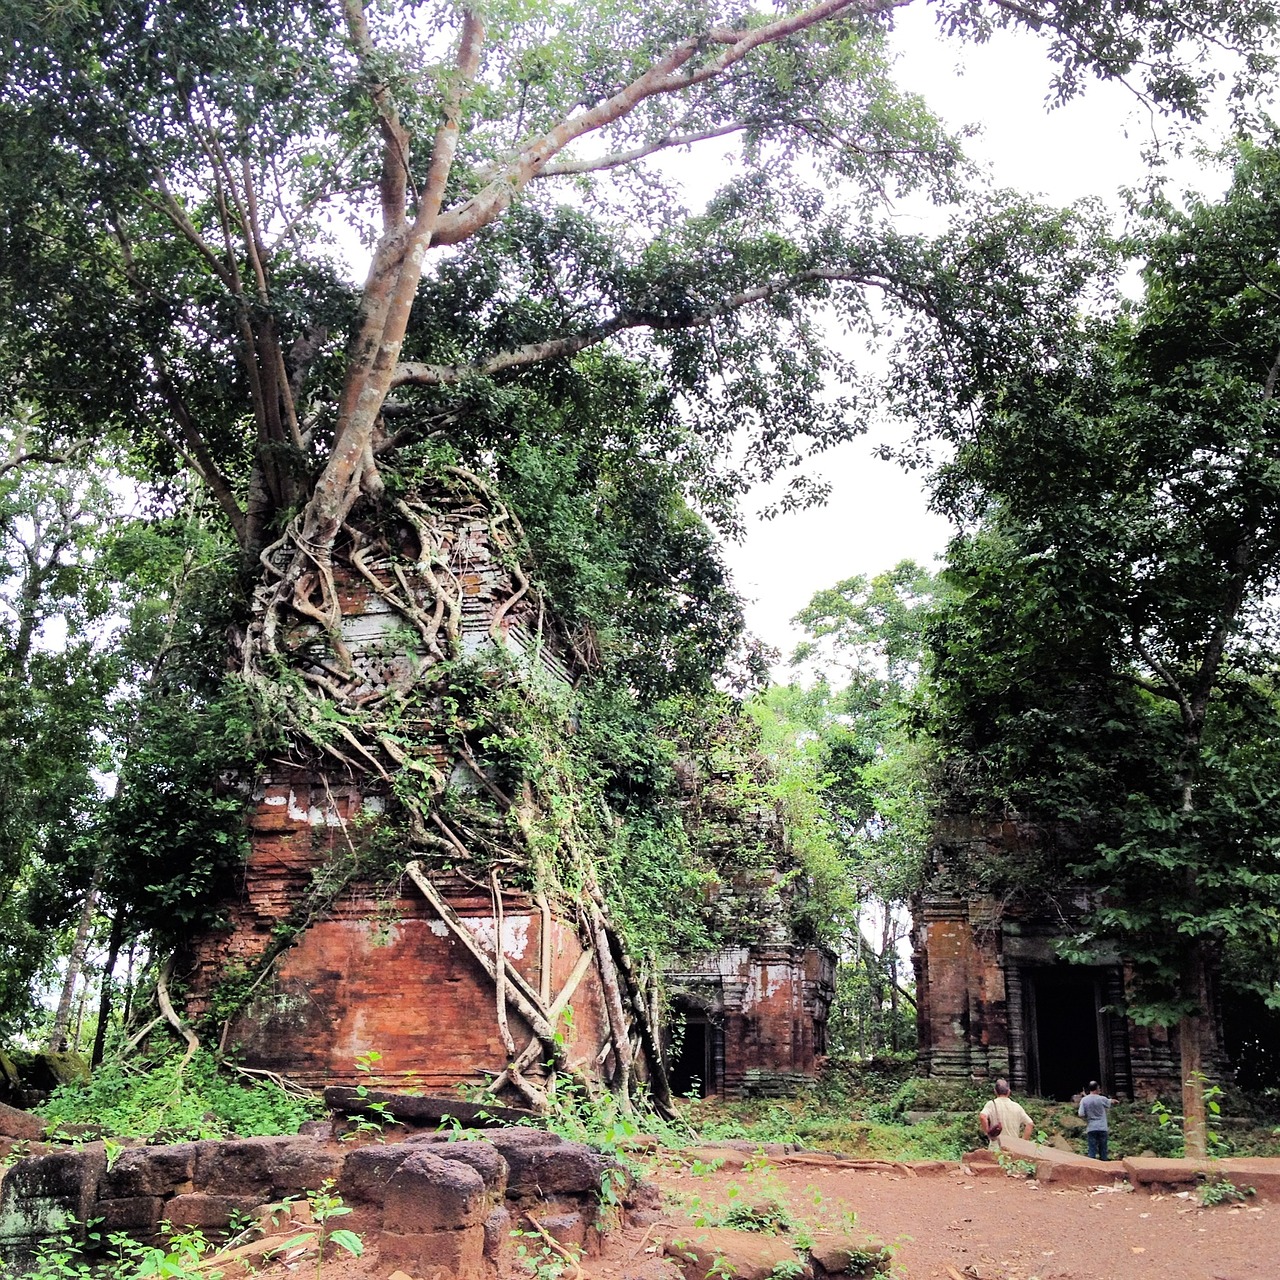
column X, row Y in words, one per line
column 1094, row 1107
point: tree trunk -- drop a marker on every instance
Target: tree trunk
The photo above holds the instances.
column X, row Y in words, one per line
column 104, row 998
column 1191, row 1032
column 75, row 963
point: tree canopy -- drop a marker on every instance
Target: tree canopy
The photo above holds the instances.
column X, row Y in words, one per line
column 1109, row 662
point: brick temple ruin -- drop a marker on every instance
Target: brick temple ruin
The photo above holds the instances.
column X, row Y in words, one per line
column 995, row 998
column 406, row 968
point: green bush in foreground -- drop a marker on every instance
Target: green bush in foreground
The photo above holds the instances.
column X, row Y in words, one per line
column 152, row 1100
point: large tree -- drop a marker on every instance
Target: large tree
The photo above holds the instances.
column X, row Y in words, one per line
column 844, row 735
column 1110, row 662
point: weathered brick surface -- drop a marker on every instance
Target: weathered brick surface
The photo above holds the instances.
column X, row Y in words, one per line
column 429, row 1194
column 151, row 1171
column 139, row 1214
column 200, row 1209
column 378, row 974
column 458, row 1255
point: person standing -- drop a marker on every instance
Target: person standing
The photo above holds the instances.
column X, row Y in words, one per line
column 1094, row 1107
column 1002, row 1117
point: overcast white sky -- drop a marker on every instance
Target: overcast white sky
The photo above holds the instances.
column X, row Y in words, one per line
column 878, row 513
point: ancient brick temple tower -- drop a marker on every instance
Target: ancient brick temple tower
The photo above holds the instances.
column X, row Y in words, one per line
column 749, row 1019
column 995, row 998
column 320, row 962
column 397, row 967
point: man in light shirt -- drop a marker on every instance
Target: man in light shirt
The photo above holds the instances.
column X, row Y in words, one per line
column 1004, row 1118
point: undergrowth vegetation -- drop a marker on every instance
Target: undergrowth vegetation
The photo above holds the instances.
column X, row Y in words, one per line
column 882, row 1112
column 154, row 1099
column 874, row 1110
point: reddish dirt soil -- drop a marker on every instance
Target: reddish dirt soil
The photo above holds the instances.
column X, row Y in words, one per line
column 988, row 1227
column 984, row 1228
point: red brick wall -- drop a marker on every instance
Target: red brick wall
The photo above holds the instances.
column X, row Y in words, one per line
column 373, row 974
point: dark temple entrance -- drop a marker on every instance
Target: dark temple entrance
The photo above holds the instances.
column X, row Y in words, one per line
column 692, row 1058
column 1068, row 1032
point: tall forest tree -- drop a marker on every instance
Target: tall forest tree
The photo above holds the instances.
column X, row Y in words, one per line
column 847, row 729
column 1110, row 658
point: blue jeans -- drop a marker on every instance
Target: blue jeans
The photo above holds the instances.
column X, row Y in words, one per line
column 1097, row 1144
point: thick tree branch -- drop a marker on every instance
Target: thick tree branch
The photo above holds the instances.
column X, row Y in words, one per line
column 424, row 375
column 19, row 455
column 395, row 138
column 670, row 74
column 618, row 158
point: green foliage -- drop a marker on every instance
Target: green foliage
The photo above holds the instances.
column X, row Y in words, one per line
column 154, row 1101
column 375, row 1116
column 769, row 1217
column 1016, row 1168
column 1106, row 666
column 324, row 1204
column 854, row 785
column 56, row 679
column 65, row 1255
column 1221, row 1190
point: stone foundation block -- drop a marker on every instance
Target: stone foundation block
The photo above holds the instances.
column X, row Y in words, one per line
column 49, row 1193
column 1262, row 1173
column 483, row 1158
column 130, row 1213
column 1089, row 1173
column 567, row 1229
column 512, row 1139
column 499, row 1248
column 429, row 1194
column 303, row 1164
column 151, row 1171
column 201, row 1209
column 458, row 1254
column 241, row 1167
column 735, row 1255
column 566, row 1168
column 22, row 1125
column 642, row 1195
column 849, row 1253
column 367, row 1170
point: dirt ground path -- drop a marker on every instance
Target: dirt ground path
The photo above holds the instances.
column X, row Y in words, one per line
column 984, row 1228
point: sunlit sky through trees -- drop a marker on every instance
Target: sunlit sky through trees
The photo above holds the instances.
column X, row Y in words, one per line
column 1090, row 148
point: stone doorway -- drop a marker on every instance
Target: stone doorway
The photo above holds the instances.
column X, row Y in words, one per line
column 1067, row 1035
column 697, row 1049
